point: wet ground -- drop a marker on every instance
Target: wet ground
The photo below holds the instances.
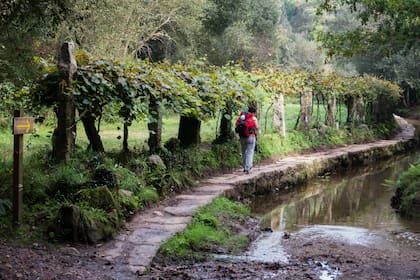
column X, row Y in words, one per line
column 310, row 254
column 309, row 257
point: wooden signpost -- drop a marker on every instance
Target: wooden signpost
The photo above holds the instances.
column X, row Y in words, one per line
column 21, row 125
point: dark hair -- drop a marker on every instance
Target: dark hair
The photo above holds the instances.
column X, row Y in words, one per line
column 252, row 109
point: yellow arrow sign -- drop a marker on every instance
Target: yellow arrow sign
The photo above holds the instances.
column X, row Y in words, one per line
column 23, row 125
column 26, row 126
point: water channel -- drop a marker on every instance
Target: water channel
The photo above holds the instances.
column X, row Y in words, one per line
column 353, row 207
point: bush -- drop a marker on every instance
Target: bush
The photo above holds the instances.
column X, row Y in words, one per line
column 5, row 206
column 408, row 192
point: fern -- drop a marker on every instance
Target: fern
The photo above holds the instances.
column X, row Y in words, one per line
column 5, row 206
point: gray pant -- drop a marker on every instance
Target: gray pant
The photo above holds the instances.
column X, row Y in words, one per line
column 248, row 146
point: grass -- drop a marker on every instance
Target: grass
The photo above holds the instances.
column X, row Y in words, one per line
column 212, row 230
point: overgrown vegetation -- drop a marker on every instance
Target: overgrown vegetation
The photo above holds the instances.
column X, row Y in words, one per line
column 407, row 199
column 107, row 188
column 216, row 228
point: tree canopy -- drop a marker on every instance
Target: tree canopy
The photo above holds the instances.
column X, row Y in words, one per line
column 389, row 27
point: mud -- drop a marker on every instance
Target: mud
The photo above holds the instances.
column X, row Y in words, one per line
column 309, row 257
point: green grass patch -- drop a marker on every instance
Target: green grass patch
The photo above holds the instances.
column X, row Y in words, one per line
column 214, row 229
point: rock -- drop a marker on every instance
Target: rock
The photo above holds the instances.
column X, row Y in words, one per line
column 323, row 129
column 157, row 161
column 70, row 221
column 158, row 213
column 96, row 230
column 69, row 251
column 99, row 197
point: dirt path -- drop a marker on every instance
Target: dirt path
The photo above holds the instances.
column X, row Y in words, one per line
column 131, row 253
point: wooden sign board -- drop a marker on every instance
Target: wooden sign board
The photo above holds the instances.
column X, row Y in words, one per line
column 23, row 125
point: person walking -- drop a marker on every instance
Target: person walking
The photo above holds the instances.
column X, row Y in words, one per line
column 247, row 128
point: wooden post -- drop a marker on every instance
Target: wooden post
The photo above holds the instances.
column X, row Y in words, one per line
column 17, row 173
column 21, row 126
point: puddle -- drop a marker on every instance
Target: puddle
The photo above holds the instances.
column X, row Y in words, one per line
column 266, row 248
column 327, row 272
column 349, row 235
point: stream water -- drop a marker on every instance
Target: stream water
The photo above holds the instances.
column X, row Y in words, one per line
column 354, row 207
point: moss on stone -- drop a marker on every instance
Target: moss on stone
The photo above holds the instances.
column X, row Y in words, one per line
column 99, row 197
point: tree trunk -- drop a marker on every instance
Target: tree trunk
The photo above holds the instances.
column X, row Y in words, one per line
column 359, row 108
column 189, row 131
column 64, row 134
column 125, row 137
column 155, row 126
column 92, row 134
column 226, row 132
column 279, row 122
column 350, row 109
column 306, row 110
column 331, row 109
column 355, row 110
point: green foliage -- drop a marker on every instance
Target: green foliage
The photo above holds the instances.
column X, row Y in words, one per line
column 210, row 231
column 397, row 25
column 409, row 185
column 130, row 204
column 148, row 196
column 44, row 178
column 5, row 206
column 383, row 36
column 25, row 25
column 196, row 89
column 98, row 198
column 177, row 245
column 127, row 179
column 204, row 238
column 240, row 30
column 90, row 214
column 224, row 208
column 11, row 98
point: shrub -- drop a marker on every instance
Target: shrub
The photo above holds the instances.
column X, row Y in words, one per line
column 409, row 190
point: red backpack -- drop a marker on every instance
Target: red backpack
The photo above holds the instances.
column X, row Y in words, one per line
column 245, row 124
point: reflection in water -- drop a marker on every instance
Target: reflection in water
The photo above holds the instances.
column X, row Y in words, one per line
column 357, row 199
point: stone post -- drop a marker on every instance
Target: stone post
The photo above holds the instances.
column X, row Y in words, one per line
column 64, row 134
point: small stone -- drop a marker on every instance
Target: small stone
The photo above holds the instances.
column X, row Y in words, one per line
column 69, row 251
column 158, row 213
